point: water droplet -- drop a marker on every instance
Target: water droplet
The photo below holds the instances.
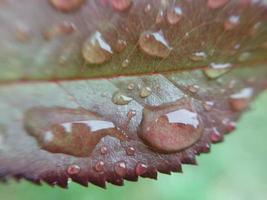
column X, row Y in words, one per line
column 214, row 4
column 120, row 168
column 130, row 151
column 232, row 22
column 216, row 136
column 73, row 169
column 104, row 150
column 171, row 128
column 216, row 70
column 121, row 5
column 96, row 50
column 70, row 131
column 160, row 17
column 208, row 105
column 230, row 125
column 174, row 15
column 154, row 44
column 120, row 45
column 130, row 86
column 125, row 63
column 59, row 29
column 99, row 166
column 140, row 169
column 145, row 92
column 198, row 56
column 244, row 56
column 193, row 88
column 121, row 99
column 148, row 8
column 67, row 5
column 240, row 100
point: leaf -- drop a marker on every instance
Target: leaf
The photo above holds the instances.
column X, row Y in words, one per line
column 69, row 110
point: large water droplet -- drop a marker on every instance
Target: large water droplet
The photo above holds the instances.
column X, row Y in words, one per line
column 140, row 169
column 154, row 44
column 145, row 92
column 171, row 128
column 198, row 56
column 70, row 131
column 214, row 4
column 99, row 166
column 121, row 5
column 66, row 5
column 216, row 70
column 174, row 15
column 240, row 100
column 96, row 50
column 121, row 99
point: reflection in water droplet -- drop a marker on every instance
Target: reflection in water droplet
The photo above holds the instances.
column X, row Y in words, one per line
column 214, row 4
column 121, row 5
column 121, row 99
column 231, row 22
column 198, row 56
column 120, row 168
column 96, row 50
column 99, row 166
column 174, row 15
column 70, row 131
column 73, row 169
column 216, row 70
column 216, row 136
column 130, row 151
column 67, row 5
column 171, row 128
column 240, row 100
column 154, row 44
column 140, row 169
column 145, row 92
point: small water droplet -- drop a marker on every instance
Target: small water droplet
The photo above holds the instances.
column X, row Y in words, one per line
column 171, row 128
column 148, row 8
column 130, row 151
column 154, row 44
column 104, row 150
column 240, row 100
column 67, row 5
column 145, row 92
column 198, row 56
column 141, row 169
column 120, row 168
column 214, row 4
column 160, row 17
column 70, row 131
column 208, row 105
column 193, row 88
column 130, row 86
column 216, row 136
column 99, row 166
column 121, row 99
column 174, row 15
column 73, row 169
column 216, row 70
column 96, row 50
column 125, row 63
column 59, row 29
column 121, row 5
column 120, row 45
column 230, row 125
column 232, row 22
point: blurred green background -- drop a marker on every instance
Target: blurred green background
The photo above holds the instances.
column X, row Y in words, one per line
column 236, row 169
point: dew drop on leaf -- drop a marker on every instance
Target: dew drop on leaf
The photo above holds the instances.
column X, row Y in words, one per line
column 59, row 130
column 215, row 70
column 145, row 92
column 96, row 49
column 141, row 169
column 67, row 5
column 121, row 99
column 240, row 100
column 216, row 136
column 171, row 128
column 154, row 44
column 73, row 169
column 232, row 22
column 130, row 151
column 99, row 166
column 120, row 168
column 104, row 150
column 198, row 56
column 174, row 15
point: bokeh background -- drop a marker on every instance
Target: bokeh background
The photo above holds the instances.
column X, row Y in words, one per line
column 235, row 169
